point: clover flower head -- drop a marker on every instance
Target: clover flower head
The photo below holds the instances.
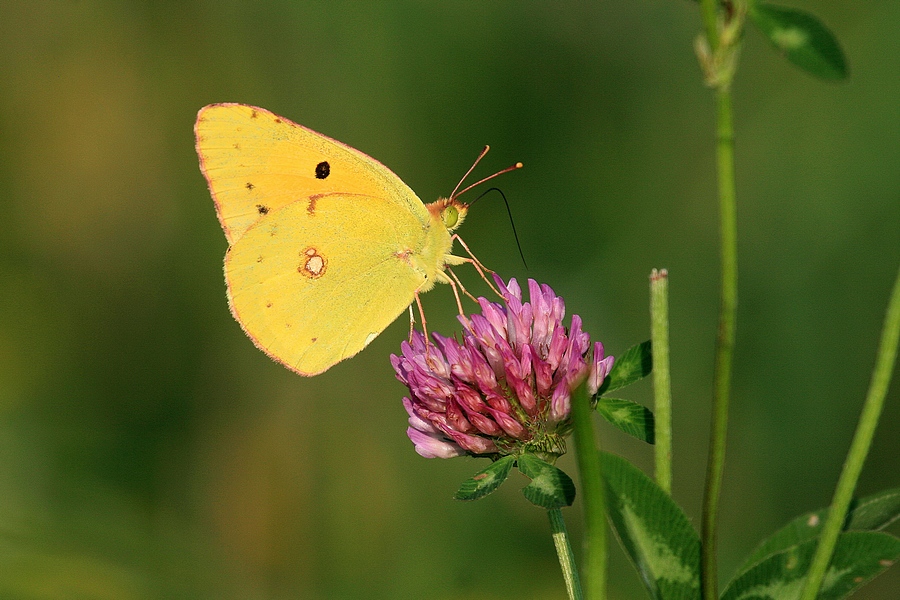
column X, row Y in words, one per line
column 505, row 386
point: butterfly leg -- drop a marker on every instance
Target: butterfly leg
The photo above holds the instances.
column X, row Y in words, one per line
column 428, row 342
column 456, row 282
column 453, row 282
column 412, row 321
column 421, row 316
column 475, row 263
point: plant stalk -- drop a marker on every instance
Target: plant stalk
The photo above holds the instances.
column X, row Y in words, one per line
column 859, row 448
column 565, row 554
column 662, row 386
column 709, row 15
column 724, row 341
column 587, row 455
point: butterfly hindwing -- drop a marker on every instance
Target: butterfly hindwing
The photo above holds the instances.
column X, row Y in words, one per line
column 314, row 285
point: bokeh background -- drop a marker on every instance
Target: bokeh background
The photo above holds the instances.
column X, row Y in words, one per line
column 148, row 450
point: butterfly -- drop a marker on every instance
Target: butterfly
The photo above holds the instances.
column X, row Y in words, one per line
column 327, row 246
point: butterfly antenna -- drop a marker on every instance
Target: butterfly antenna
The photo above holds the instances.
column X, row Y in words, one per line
column 518, row 165
column 469, row 172
column 512, row 223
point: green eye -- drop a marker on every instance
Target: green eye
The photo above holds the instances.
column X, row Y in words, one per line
column 450, row 216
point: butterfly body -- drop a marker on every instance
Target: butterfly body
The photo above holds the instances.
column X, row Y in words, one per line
column 327, row 246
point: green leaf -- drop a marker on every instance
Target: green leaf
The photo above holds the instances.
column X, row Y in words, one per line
column 636, row 363
column 869, row 513
column 486, row 481
column 632, row 418
column 875, row 512
column 654, row 531
column 549, row 487
column 858, row 557
column 803, row 39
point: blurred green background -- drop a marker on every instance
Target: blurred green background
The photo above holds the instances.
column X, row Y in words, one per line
column 148, row 450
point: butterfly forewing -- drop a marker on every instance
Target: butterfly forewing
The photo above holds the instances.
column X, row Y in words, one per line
column 257, row 162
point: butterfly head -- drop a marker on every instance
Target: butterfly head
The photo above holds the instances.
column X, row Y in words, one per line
column 450, row 211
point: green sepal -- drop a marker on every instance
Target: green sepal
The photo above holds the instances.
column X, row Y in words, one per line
column 550, row 487
column 653, row 530
column 858, row 557
column 804, row 40
column 634, row 419
column 634, row 364
column 486, row 481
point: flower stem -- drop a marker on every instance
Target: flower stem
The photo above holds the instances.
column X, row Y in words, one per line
column 662, row 386
column 859, row 448
column 724, row 341
column 587, row 454
column 565, row 554
column 709, row 14
column 718, row 56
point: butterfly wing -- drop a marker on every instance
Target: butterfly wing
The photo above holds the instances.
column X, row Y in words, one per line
column 257, row 162
column 313, row 282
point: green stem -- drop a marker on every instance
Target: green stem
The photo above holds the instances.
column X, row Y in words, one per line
column 709, row 14
column 587, row 454
column 724, row 341
column 859, row 448
column 662, row 386
column 565, row 554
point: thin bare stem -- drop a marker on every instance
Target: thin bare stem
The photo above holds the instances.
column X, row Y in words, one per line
column 565, row 554
column 662, row 387
column 724, row 343
column 859, row 448
column 593, row 498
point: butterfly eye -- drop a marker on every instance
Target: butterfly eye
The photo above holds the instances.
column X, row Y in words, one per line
column 450, row 216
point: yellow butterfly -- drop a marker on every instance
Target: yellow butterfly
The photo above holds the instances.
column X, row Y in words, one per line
column 326, row 245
